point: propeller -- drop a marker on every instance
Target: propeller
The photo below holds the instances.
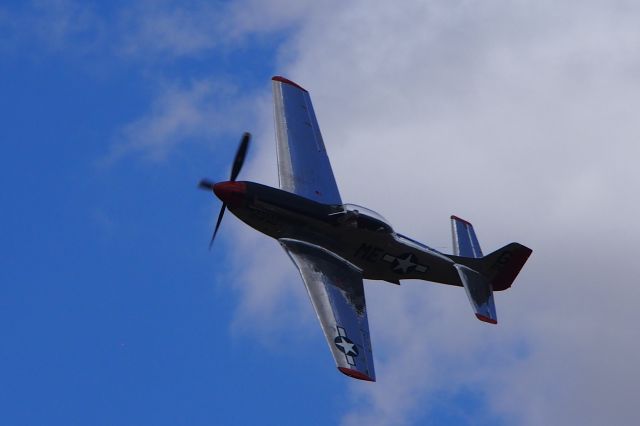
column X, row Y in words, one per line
column 238, row 161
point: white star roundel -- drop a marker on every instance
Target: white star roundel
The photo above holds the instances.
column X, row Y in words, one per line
column 345, row 345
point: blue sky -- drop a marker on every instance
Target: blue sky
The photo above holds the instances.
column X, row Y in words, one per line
column 519, row 117
column 113, row 310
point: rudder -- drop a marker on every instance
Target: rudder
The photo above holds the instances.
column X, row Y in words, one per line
column 503, row 265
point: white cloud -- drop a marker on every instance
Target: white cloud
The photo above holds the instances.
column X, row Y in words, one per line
column 158, row 34
column 520, row 117
column 172, row 29
column 168, row 29
column 146, row 31
column 198, row 110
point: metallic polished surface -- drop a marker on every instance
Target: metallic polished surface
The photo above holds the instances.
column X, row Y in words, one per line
column 337, row 294
column 465, row 242
column 479, row 292
column 335, row 246
column 303, row 165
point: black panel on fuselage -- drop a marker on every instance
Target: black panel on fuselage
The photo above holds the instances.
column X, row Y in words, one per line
column 365, row 241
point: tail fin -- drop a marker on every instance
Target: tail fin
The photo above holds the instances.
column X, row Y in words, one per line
column 503, row 265
column 482, row 275
column 500, row 267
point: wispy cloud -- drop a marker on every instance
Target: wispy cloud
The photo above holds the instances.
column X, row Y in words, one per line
column 155, row 36
column 55, row 25
column 172, row 29
column 177, row 29
column 199, row 110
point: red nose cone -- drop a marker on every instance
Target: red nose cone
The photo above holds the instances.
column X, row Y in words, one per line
column 231, row 193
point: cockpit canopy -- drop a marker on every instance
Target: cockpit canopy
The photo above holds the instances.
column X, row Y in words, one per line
column 366, row 218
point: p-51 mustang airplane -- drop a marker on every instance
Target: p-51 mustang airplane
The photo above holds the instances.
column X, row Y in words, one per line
column 335, row 246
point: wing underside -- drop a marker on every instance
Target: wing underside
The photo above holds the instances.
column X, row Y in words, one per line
column 303, row 164
column 337, row 294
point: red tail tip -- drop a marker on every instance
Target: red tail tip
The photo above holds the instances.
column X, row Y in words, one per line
column 486, row 319
column 287, row 81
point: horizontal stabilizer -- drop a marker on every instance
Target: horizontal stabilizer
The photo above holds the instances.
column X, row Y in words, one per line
column 465, row 242
column 480, row 294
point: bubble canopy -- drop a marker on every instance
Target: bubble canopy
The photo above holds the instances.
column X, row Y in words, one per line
column 367, row 218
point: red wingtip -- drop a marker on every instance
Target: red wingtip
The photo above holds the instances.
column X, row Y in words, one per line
column 355, row 374
column 287, row 81
column 461, row 219
column 486, row 319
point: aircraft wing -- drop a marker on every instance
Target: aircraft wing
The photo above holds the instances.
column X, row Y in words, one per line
column 303, row 165
column 337, row 294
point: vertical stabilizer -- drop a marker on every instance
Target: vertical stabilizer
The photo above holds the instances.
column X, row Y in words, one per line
column 503, row 265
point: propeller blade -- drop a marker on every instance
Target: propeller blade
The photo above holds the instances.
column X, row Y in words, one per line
column 213, row 237
column 238, row 161
column 206, row 184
